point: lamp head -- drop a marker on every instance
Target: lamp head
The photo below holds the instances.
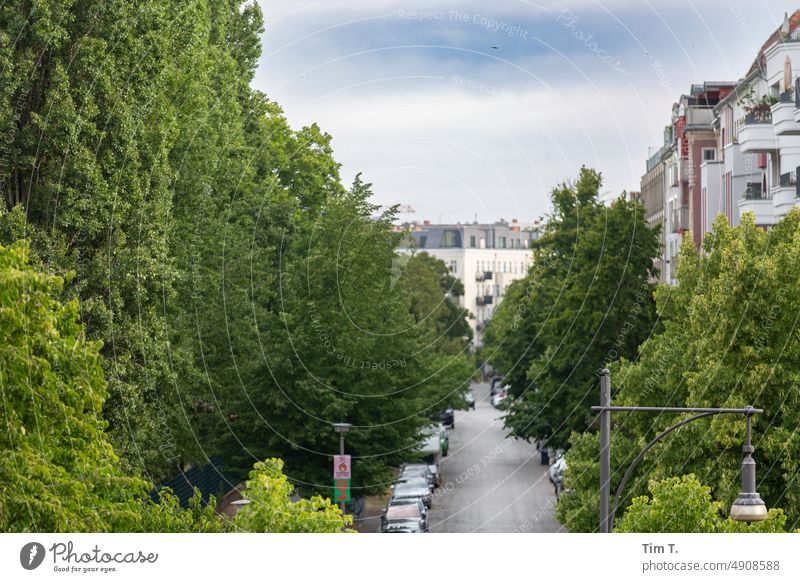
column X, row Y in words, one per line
column 748, row 507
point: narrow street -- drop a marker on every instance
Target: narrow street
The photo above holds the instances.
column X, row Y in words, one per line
column 491, row 483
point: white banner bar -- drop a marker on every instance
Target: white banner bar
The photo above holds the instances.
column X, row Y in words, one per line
column 372, row 557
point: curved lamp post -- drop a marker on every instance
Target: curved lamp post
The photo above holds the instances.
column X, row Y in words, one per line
column 748, row 505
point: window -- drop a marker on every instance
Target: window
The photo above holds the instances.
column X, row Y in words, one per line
column 502, row 242
column 709, row 154
column 450, row 238
column 472, row 241
column 423, row 241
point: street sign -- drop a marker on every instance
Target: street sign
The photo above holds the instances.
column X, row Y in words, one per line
column 341, row 467
column 341, row 490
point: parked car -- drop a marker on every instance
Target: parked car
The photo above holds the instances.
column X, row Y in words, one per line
column 497, row 386
column 416, row 480
column 438, row 430
column 413, row 489
column 470, row 398
column 416, row 502
column 498, row 398
column 556, row 475
column 402, row 527
column 449, row 418
column 420, row 469
column 405, row 512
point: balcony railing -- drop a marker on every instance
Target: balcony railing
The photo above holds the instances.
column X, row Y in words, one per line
column 755, row 192
column 760, row 116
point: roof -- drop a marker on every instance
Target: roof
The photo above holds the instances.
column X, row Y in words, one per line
column 777, row 35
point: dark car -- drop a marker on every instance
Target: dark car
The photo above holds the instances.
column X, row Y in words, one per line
column 449, row 418
column 413, row 490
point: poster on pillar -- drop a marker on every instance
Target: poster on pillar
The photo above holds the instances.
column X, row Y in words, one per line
column 341, row 490
column 341, row 467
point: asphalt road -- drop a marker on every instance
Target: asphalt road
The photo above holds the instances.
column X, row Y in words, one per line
column 491, row 483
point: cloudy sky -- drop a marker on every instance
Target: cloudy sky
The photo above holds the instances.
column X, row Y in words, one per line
column 466, row 109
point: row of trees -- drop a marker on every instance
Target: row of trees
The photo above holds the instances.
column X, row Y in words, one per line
column 58, row 468
column 725, row 336
column 728, row 337
column 586, row 301
column 240, row 297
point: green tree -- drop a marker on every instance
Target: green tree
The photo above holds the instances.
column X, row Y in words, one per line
column 347, row 347
column 272, row 510
column 684, row 505
column 434, row 294
column 58, row 470
column 728, row 339
column 586, row 301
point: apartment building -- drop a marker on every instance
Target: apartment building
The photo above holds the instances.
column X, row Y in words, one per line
column 672, row 189
column 486, row 258
column 759, row 133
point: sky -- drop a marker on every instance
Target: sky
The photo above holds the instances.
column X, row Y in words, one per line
column 470, row 109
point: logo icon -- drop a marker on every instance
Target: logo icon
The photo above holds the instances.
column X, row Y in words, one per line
column 399, row 263
column 31, row 555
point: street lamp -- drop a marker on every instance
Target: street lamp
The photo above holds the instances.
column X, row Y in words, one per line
column 748, row 505
column 341, row 428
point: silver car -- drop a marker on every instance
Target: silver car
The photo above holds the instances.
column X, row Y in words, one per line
column 413, row 489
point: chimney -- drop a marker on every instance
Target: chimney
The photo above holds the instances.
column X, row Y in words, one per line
column 426, row 222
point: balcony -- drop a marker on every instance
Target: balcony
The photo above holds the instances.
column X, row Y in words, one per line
column 785, row 193
column 783, row 117
column 757, row 134
column 758, row 202
column 679, row 219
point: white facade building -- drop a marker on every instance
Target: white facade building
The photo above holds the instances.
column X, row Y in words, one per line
column 759, row 129
column 486, row 258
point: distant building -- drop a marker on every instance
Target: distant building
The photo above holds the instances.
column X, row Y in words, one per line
column 672, row 189
column 731, row 148
column 486, row 258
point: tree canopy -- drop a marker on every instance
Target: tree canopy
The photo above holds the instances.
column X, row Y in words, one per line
column 586, row 301
column 728, row 339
